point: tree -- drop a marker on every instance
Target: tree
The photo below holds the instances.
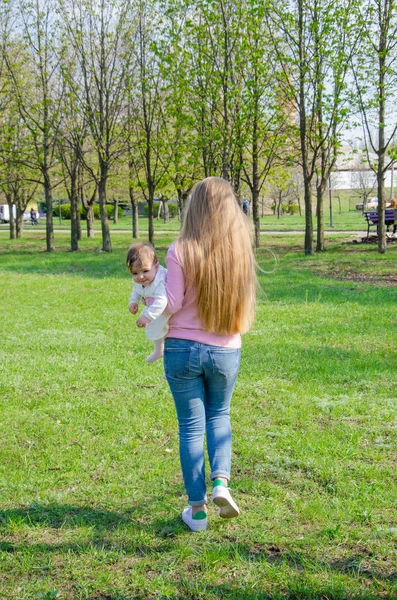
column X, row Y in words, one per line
column 363, row 180
column 263, row 121
column 310, row 39
column 181, row 148
column 98, row 32
column 33, row 63
column 147, row 106
column 17, row 180
column 215, row 37
column 72, row 135
column 203, row 96
column 375, row 77
column 8, row 116
column 132, row 177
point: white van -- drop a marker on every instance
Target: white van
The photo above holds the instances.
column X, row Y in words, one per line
column 5, row 212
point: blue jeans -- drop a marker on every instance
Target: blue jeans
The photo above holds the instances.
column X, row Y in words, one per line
column 201, row 379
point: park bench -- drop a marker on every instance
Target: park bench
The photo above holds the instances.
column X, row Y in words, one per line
column 371, row 217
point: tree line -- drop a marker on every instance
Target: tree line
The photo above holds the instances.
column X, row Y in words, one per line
column 164, row 92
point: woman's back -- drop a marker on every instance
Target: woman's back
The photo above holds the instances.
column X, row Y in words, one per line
column 185, row 322
column 218, row 260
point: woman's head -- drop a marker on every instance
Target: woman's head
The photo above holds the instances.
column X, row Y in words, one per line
column 218, row 257
column 212, row 205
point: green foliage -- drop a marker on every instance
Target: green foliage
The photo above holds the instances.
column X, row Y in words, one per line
column 284, row 207
column 65, row 211
column 293, row 209
column 51, row 595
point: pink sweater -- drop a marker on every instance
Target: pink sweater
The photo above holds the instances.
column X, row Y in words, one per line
column 184, row 322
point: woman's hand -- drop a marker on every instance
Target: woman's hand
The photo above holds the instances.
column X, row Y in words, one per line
column 133, row 308
column 142, row 321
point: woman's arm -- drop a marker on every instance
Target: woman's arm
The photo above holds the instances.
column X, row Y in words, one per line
column 175, row 283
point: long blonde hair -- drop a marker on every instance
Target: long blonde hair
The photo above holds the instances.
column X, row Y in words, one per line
column 218, row 258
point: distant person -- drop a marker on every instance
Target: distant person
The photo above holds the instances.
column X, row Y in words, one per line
column 33, row 216
column 211, row 295
column 149, row 278
column 393, row 204
column 246, row 206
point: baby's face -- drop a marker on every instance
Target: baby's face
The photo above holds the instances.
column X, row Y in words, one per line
column 144, row 273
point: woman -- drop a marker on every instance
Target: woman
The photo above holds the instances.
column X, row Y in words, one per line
column 211, row 295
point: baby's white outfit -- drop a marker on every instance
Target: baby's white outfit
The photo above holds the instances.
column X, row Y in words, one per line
column 154, row 297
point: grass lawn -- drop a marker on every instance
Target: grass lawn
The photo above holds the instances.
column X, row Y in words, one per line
column 91, row 491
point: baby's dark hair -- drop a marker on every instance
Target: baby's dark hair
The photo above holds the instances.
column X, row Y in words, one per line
column 141, row 253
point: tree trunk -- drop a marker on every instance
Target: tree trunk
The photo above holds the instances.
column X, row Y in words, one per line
column 255, row 216
column 150, row 202
column 12, row 219
column 255, row 178
column 300, row 206
column 49, row 210
column 166, row 212
column 78, row 223
column 308, row 217
column 134, row 208
column 80, row 199
column 381, row 201
column 90, row 221
column 180, row 204
column 74, row 209
column 106, row 243
column 183, row 195
column 237, row 179
column 116, row 211
column 320, row 244
column 279, row 204
column 19, row 223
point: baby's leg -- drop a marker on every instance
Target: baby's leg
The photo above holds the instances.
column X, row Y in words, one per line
column 158, row 351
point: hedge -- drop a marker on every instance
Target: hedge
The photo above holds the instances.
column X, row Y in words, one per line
column 290, row 209
column 65, row 209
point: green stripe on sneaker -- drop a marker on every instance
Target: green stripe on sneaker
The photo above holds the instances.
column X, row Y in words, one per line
column 218, row 482
column 201, row 514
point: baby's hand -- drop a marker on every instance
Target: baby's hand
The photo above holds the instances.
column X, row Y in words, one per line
column 142, row 321
column 133, row 308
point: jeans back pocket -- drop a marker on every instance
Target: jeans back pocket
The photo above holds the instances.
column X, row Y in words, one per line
column 225, row 362
column 176, row 362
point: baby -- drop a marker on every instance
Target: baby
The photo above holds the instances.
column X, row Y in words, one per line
column 149, row 277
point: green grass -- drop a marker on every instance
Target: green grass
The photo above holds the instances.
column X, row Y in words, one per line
column 91, row 491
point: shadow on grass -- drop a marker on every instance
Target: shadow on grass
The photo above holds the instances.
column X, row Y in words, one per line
column 164, row 534
column 91, row 263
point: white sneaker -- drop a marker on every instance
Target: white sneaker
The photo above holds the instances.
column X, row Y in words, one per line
column 193, row 524
column 223, row 499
